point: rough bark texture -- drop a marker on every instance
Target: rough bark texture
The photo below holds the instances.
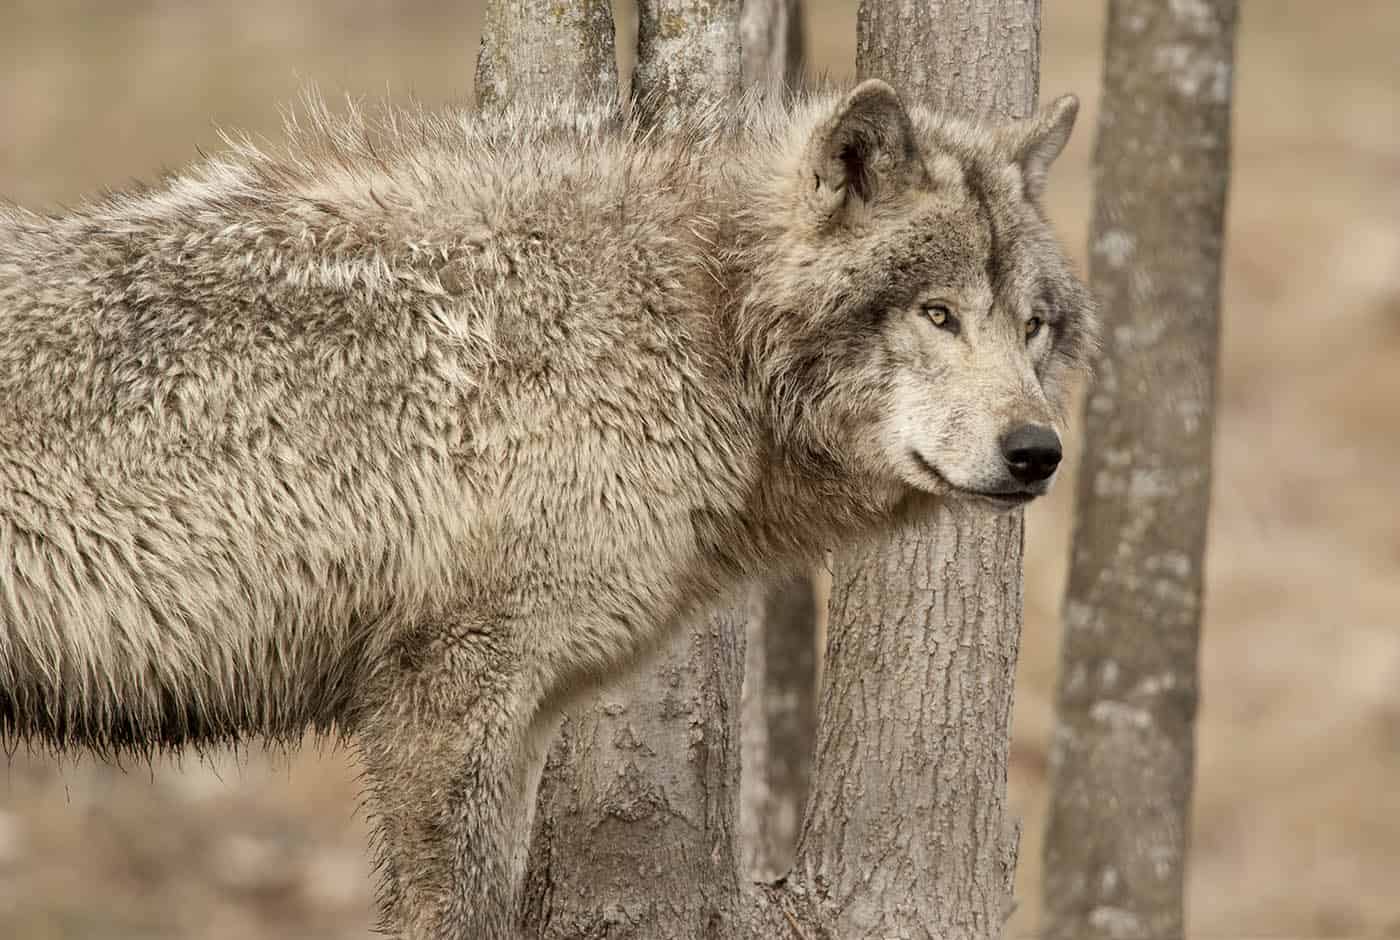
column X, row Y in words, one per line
column 635, row 826
column 905, row 833
column 687, row 53
column 1122, row 757
column 537, row 48
column 634, row 834
column 976, row 56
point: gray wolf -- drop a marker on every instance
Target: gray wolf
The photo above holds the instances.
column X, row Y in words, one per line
column 418, row 429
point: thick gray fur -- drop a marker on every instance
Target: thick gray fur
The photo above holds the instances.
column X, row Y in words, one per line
column 416, row 430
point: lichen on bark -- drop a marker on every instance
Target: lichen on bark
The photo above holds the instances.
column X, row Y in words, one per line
column 537, row 48
column 1122, row 754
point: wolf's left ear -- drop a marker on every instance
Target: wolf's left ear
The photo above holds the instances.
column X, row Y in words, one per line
column 865, row 148
column 1037, row 141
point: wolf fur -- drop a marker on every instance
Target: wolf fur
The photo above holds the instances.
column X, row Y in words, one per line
column 416, row 429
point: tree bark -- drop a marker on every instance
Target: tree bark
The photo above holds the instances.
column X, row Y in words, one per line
column 635, row 827
column 779, row 708
column 980, row 57
column 915, row 716
column 905, row 832
column 538, row 48
column 774, row 45
column 1123, row 751
column 634, row 834
column 687, row 54
column 779, row 723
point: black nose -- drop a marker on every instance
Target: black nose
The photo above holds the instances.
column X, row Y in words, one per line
column 1032, row 452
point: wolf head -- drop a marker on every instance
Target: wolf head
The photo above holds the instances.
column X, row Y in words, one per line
column 912, row 315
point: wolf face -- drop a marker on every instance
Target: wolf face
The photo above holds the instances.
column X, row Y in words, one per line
column 939, row 318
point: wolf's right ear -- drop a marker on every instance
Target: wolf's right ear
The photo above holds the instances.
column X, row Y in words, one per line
column 867, row 147
column 1037, row 141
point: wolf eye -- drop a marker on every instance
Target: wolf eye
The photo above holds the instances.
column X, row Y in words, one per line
column 1033, row 326
column 940, row 316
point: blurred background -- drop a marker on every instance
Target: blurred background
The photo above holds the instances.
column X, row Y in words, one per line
column 1297, row 812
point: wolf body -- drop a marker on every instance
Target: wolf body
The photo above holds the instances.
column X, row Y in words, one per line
column 414, row 431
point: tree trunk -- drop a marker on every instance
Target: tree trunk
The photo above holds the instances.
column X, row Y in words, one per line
column 779, row 710
column 779, row 723
column 980, row 57
column 774, row 43
column 915, row 718
column 538, row 48
column 905, row 832
column 635, row 827
column 634, row 835
column 533, row 49
column 687, row 54
column 1121, row 763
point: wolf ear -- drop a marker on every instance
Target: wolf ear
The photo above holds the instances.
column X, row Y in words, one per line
column 1037, row 141
column 865, row 148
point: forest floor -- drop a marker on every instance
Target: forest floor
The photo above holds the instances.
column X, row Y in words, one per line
column 1297, row 816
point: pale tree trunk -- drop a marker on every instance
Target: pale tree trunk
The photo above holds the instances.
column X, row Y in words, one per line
column 536, row 49
column 1123, row 751
column 635, row 829
column 634, row 838
column 539, row 48
column 981, row 57
column 779, row 723
column 687, row 54
column 779, row 712
column 906, row 833
column 774, row 44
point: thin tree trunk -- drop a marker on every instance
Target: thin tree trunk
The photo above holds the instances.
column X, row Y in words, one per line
column 687, row 54
column 534, row 49
column 1123, row 752
column 779, row 720
column 905, row 832
column 538, row 48
column 779, row 723
column 774, row 44
column 635, row 829
column 980, row 57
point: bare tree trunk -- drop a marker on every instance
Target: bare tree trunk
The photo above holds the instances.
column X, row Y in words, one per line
column 774, row 44
column 779, row 719
column 916, row 710
column 779, row 724
column 981, row 57
column 905, row 832
column 635, row 833
column 533, row 49
column 538, row 48
column 687, row 53
column 1123, row 752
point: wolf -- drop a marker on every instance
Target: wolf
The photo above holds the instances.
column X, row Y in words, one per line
column 417, row 428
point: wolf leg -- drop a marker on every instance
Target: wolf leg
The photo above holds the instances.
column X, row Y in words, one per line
column 448, row 753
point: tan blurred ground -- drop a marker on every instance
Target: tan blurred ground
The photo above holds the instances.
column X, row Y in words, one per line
column 1297, row 829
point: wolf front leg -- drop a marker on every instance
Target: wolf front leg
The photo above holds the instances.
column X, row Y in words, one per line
column 448, row 752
